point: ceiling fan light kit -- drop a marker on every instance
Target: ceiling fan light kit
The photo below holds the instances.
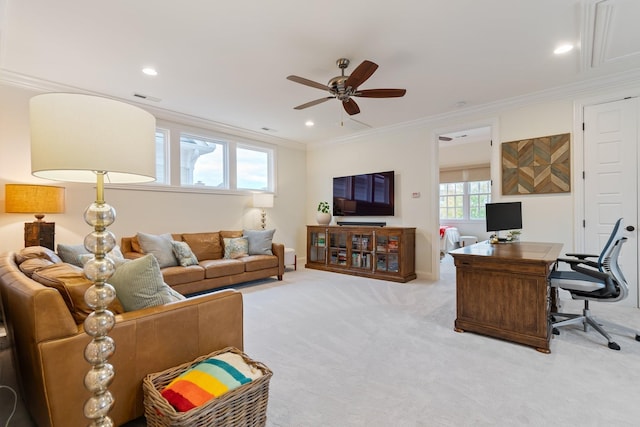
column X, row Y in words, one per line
column 344, row 87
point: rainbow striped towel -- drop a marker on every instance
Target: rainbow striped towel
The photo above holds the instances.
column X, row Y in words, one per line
column 207, row 380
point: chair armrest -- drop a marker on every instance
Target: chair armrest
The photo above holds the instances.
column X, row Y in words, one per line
column 582, row 256
column 575, row 261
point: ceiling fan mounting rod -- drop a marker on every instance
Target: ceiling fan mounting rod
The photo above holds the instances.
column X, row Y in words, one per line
column 342, row 63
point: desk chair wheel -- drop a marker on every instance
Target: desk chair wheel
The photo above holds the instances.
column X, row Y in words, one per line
column 613, row 346
column 637, row 337
column 555, row 331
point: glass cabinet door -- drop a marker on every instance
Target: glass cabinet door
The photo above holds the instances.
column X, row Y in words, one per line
column 362, row 250
column 387, row 257
column 338, row 248
column 318, row 247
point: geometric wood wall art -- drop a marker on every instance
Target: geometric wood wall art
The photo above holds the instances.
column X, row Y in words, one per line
column 537, row 165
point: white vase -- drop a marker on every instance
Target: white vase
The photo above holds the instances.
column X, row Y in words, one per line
column 323, row 218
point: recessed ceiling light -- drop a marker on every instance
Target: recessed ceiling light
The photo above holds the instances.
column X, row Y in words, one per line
column 150, row 71
column 309, row 123
column 564, row 48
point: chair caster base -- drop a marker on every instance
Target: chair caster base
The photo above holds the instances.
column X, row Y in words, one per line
column 555, row 331
column 613, row 346
column 637, row 337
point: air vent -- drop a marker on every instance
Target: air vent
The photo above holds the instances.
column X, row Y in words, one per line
column 147, row 97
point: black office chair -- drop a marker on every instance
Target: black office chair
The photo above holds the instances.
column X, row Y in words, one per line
column 593, row 280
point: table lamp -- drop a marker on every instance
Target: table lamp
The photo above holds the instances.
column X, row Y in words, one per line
column 84, row 138
column 263, row 200
column 37, row 200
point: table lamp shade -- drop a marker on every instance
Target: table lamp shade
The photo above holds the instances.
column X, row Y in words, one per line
column 75, row 135
column 34, row 199
column 262, row 200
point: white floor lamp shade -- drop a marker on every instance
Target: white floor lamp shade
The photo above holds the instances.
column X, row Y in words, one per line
column 84, row 138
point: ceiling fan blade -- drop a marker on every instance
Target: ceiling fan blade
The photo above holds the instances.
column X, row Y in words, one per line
column 381, row 93
column 361, row 74
column 350, row 106
column 307, row 82
column 312, row 103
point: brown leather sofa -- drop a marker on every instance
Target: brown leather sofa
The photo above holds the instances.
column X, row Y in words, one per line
column 48, row 345
column 213, row 271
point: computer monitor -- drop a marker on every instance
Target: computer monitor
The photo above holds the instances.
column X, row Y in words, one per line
column 504, row 216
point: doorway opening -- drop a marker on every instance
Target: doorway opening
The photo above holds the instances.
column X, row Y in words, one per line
column 464, row 160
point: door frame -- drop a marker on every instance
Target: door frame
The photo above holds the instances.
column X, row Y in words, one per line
column 578, row 164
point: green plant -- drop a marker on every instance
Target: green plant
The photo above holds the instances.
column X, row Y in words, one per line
column 323, row 207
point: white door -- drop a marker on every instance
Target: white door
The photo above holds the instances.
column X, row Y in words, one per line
column 611, row 181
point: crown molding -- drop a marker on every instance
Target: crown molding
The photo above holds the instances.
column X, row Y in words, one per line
column 615, row 82
column 40, row 85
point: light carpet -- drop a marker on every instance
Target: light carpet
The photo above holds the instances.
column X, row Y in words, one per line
column 351, row 351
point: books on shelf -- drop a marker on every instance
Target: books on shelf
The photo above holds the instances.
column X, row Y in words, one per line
column 393, row 263
column 361, row 260
column 360, row 242
column 342, row 258
column 321, row 240
column 392, row 246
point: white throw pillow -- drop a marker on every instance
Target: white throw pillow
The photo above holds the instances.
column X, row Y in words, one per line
column 259, row 241
column 139, row 284
column 160, row 246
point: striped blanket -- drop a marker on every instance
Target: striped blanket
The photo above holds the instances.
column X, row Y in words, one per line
column 207, row 380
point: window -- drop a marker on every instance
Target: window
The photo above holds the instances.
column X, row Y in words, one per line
column 202, row 162
column 452, row 200
column 162, row 142
column 253, row 167
column 464, row 200
column 191, row 158
column 479, row 196
column 464, row 192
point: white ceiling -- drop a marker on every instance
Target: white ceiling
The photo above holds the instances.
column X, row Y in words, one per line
column 227, row 61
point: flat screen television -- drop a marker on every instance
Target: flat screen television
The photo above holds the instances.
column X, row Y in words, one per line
column 504, row 216
column 368, row 194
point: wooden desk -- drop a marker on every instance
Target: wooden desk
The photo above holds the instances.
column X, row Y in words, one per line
column 502, row 290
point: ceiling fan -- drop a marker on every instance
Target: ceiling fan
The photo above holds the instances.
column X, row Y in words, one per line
column 345, row 87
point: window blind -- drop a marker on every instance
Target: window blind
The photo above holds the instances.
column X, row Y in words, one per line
column 465, row 174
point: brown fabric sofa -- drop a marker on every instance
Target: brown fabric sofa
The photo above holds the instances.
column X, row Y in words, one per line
column 48, row 345
column 213, row 271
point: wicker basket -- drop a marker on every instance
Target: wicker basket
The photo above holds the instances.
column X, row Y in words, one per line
column 243, row 406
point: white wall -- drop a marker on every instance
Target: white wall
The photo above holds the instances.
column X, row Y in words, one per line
column 464, row 154
column 412, row 152
column 545, row 217
column 150, row 211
